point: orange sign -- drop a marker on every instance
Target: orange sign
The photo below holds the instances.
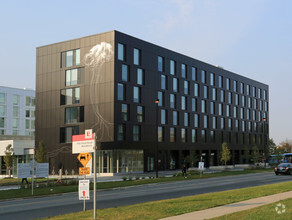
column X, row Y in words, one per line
column 84, row 158
column 84, row 170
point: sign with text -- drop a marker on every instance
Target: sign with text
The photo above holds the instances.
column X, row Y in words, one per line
column 42, row 170
column 84, row 170
column 201, row 165
column 84, row 190
column 82, row 144
column 24, row 170
column 84, row 158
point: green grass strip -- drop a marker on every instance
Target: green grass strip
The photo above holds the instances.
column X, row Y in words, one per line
column 172, row 207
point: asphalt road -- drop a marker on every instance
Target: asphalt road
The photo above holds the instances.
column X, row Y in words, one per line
column 67, row 203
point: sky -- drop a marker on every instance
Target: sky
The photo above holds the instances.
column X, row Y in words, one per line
column 252, row 38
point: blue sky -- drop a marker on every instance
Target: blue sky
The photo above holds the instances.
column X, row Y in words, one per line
column 250, row 37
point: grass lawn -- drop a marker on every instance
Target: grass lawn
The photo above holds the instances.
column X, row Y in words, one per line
column 18, row 193
column 172, row 207
column 263, row 213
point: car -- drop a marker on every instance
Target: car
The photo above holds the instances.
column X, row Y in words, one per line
column 283, row 168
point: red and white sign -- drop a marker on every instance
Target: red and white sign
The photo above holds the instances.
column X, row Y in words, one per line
column 81, row 144
column 84, row 190
column 201, row 165
column 88, row 133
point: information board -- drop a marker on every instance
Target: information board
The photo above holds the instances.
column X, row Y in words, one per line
column 84, row 190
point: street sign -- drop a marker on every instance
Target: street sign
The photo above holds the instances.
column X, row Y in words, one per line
column 84, row 158
column 24, row 170
column 201, row 165
column 42, row 170
column 88, row 134
column 84, row 190
column 82, row 143
column 84, row 170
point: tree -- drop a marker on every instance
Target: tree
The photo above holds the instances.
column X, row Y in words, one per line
column 246, row 154
column 41, row 155
column 271, row 146
column 225, row 153
column 286, row 146
column 192, row 159
column 255, row 154
column 8, row 158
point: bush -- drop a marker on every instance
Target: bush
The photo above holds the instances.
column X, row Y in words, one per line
column 143, row 177
column 130, row 178
column 137, row 177
column 124, row 178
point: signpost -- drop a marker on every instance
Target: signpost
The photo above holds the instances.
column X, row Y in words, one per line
column 201, row 168
column 84, row 191
column 84, row 170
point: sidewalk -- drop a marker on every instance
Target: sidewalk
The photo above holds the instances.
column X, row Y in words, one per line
column 230, row 208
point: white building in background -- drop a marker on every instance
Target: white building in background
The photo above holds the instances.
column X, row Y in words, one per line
column 17, row 124
column 17, row 111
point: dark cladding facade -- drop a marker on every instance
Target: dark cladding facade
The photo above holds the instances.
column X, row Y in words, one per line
column 109, row 82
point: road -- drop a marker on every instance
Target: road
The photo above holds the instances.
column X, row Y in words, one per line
column 67, row 203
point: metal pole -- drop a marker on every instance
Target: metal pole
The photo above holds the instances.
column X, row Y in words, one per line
column 156, row 151
column 265, row 142
column 32, row 173
column 94, row 181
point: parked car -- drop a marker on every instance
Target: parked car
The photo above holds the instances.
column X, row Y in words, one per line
column 283, row 168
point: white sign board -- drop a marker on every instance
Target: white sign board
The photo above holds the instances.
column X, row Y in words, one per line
column 42, row 170
column 24, row 170
column 81, row 144
column 201, row 165
column 84, row 190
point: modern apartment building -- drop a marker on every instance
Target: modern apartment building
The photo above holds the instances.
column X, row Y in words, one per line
column 109, row 82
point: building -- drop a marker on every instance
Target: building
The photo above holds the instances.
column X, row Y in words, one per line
column 109, row 82
column 17, row 123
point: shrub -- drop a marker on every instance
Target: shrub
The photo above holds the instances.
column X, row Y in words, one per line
column 124, row 178
column 130, row 178
column 137, row 177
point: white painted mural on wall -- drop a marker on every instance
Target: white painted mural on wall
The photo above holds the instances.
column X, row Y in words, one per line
column 94, row 61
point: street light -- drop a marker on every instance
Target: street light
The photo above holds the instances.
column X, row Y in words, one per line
column 156, row 150
column 264, row 119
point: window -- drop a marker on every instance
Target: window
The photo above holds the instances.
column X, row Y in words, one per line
column 186, row 87
column 194, row 73
column 235, row 86
column 186, row 119
column 247, row 114
column 236, row 99
column 228, row 110
column 140, row 114
column 212, row 79
column 212, row 107
column 205, row 121
column 2, row 98
column 2, row 110
column 194, row 136
column 183, row 71
column 212, row 136
column 227, row 83
column 229, row 97
column 67, row 132
column 243, row 126
column 160, row 97
column 121, row 132
column 160, row 134
column 2, row 122
column 194, row 104
column 163, row 82
column 121, row 52
column 137, row 56
column 241, row 113
column 136, row 133
column 70, row 96
column 235, row 112
column 214, row 123
column 172, row 101
column 229, row 123
column 203, row 136
column 203, row 76
column 259, row 93
column 172, row 67
column 172, row 135
column 27, row 124
column 121, row 92
column 160, row 64
column 214, row 94
column 125, row 112
column 174, row 118
column 196, row 120
column 15, row 100
column 70, row 58
column 136, row 95
column 16, row 111
column 220, row 81
column 140, row 76
column 255, row 104
column 15, row 122
column 243, row 101
column 163, row 116
column 254, row 91
column 27, row 101
column 15, row 132
column 175, row 85
column 196, row 89
column 203, row 106
column 32, row 124
column 241, row 88
column 220, row 109
column 205, row 92
column 183, row 103
column 74, row 76
column 222, row 96
column 125, row 73
column 183, row 135
column 247, row 89
column 74, row 115
column 265, row 95
column 222, row 123
column 236, row 125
